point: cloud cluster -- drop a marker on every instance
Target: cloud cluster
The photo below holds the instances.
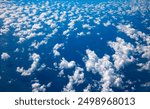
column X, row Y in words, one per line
column 76, row 78
column 123, row 52
column 35, row 58
column 104, row 67
column 140, row 38
column 37, row 87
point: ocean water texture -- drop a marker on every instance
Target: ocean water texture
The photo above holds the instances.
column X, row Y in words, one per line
column 74, row 45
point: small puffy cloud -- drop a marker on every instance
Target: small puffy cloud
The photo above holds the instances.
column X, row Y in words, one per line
column 5, row 56
column 42, row 16
column 55, row 49
column 66, row 32
column 42, row 67
column 36, row 45
column 146, row 51
column 81, row 34
column 21, row 39
column 33, row 34
column 61, row 74
column 62, row 16
column 35, row 57
column 53, row 25
column 86, row 26
column 37, row 87
column 107, row 23
column 49, row 22
column 36, row 26
column 97, row 21
column 71, row 24
column 64, row 64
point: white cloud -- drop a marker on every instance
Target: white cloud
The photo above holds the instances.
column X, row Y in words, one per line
column 86, row 26
column 64, row 64
column 66, row 32
column 97, row 21
column 133, row 33
column 92, row 59
column 107, row 23
column 36, row 45
column 35, row 57
column 71, row 24
column 37, row 87
column 123, row 52
column 144, row 66
column 77, row 78
column 31, row 35
column 141, row 49
column 81, row 34
column 5, row 56
column 146, row 51
column 55, row 49
column 88, row 88
column 104, row 67
column 42, row 16
column 42, row 67
column 61, row 74
column 78, row 75
column 62, row 16
column 36, row 26
column 49, row 22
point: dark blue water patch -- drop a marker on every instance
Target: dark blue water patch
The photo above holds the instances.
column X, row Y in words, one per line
column 58, row 84
column 1, row 23
column 133, row 75
column 9, row 74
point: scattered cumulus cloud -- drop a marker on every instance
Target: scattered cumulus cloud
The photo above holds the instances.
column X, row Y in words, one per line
column 55, row 49
column 35, row 58
column 123, row 52
column 104, row 67
column 5, row 56
column 64, row 64
column 76, row 78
